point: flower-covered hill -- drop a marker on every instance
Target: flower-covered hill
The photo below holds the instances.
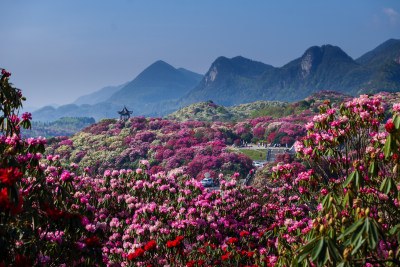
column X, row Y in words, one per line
column 209, row 111
column 191, row 148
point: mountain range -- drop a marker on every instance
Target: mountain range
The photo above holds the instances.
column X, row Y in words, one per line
column 162, row 89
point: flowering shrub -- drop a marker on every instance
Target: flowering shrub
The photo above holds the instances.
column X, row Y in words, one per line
column 355, row 187
column 149, row 219
column 38, row 223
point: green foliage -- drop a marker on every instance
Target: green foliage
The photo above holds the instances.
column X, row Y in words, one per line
column 247, row 137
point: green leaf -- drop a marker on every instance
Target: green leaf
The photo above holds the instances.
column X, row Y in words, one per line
column 396, row 122
column 323, row 257
column 349, row 178
column 351, row 229
column 373, row 170
column 325, row 200
column 388, row 187
column 348, row 198
column 388, row 144
column 333, row 250
column 394, row 230
column 317, row 249
column 357, row 247
column 357, row 234
column 367, row 225
column 305, row 250
column 373, row 236
column 358, row 180
column 383, row 185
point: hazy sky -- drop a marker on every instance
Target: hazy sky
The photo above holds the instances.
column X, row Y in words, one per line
column 59, row 50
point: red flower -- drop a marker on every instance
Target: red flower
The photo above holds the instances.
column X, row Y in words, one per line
column 22, row 261
column 395, row 157
column 190, row 263
column 131, row 256
column 390, row 128
column 233, row 240
column 150, row 245
column 4, row 201
column 17, row 209
column 93, row 241
column 6, row 204
column 250, row 254
column 175, row 243
column 226, row 256
column 55, row 213
column 138, row 253
column 9, row 176
column 244, row 233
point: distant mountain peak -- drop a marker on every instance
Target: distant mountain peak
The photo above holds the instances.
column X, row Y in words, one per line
column 383, row 52
column 316, row 55
column 240, row 65
column 160, row 63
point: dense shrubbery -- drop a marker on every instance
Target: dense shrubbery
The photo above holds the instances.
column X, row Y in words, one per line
column 190, row 147
column 341, row 211
column 38, row 223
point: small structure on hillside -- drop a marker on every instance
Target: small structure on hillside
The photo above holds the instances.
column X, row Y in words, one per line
column 125, row 114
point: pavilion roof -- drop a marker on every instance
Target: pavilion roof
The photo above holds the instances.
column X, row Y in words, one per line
column 125, row 111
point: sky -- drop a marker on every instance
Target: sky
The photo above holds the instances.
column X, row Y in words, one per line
column 58, row 50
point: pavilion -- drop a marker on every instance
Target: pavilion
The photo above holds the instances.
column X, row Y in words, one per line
column 125, row 114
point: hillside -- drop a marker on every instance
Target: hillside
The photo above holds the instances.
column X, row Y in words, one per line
column 194, row 147
column 209, row 111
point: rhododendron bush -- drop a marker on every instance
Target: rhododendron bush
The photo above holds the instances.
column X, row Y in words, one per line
column 354, row 186
column 38, row 223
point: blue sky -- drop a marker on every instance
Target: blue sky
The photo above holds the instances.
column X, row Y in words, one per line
column 59, row 50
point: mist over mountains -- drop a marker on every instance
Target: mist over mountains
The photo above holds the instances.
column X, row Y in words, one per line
column 162, row 89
